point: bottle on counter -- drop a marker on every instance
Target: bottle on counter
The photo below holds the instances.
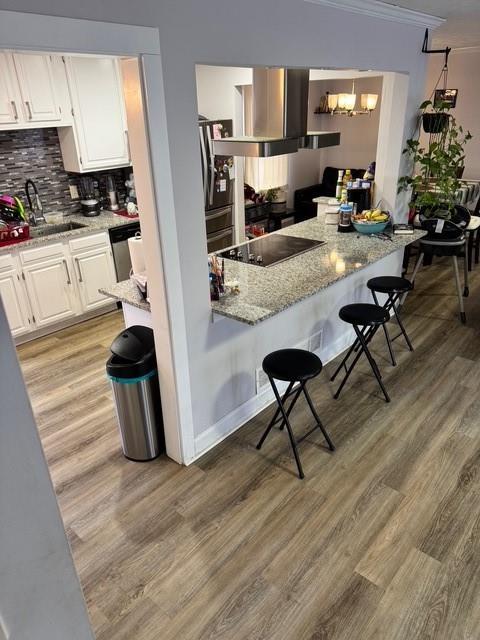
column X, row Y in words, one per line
column 338, row 191
column 347, row 179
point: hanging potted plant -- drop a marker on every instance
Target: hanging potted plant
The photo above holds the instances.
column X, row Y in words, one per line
column 435, row 120
column 435, row 168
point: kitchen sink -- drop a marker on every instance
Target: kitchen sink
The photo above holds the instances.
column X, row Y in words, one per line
column 50, row 229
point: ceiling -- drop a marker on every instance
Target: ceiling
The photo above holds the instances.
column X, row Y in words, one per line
column 462, row 25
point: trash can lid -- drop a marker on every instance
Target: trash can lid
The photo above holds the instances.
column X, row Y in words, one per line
column 133, row 353
column 133, row 344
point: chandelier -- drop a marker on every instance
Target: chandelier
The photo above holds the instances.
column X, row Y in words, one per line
column 344, row 103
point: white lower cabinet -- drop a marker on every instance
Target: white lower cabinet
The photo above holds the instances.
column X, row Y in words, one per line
column 55, row 282
column 94, row 270
column 50, row 290
column 13, row 296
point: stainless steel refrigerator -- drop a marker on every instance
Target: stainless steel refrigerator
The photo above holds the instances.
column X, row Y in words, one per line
column 218, row 185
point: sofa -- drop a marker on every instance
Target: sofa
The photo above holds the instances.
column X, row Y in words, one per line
column 303, row 205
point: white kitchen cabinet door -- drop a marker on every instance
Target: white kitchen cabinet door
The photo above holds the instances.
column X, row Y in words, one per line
column 10, row 110
column 14, row 301
column 37, row 87
column 94, row 270
column 50, row 290
column 99, row 139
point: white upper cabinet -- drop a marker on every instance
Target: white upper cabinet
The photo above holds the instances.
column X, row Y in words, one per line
column 99, row 137
column 33, row 91
column 10, row 110
column 37, row 87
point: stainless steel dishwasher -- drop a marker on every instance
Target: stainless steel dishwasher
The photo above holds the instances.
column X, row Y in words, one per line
column 121, row 256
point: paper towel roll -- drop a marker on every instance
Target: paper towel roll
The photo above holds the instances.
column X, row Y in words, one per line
column 135, row 248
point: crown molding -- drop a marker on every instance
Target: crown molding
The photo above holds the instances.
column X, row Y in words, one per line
column 383, row 11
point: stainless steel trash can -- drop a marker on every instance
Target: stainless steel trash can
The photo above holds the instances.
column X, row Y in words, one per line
column 132, row 369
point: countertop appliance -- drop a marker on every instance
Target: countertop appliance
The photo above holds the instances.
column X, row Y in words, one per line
column 269, row 250
column 121, row 255
column 218, row 184
column 88, row 200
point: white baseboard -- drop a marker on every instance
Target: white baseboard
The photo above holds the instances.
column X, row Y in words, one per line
column 227, row 425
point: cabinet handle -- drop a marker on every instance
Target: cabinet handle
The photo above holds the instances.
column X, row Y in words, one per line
column 67, row 271
column 127, row 139
column 80, row 279
column 29, row 109
column 15, row 111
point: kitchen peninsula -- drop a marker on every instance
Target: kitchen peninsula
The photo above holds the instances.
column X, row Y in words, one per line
column 267, row 291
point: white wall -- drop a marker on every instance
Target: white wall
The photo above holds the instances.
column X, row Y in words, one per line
column 216, row 90
column 221, row 358
column 464, row 75
column 40, row 597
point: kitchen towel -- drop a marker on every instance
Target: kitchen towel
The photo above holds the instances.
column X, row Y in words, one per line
column 135, row 247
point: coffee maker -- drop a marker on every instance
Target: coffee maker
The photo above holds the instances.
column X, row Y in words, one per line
column 88, row 199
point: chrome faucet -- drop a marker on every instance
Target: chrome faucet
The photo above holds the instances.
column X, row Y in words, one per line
column 36, row 207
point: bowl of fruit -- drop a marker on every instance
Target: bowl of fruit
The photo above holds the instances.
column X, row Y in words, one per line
column 371, row 221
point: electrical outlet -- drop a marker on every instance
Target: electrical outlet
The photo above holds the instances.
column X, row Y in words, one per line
column 261, row 380
column 315, row 341
column 73, row 194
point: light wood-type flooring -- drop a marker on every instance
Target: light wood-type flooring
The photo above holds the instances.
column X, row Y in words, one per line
column 381, row 541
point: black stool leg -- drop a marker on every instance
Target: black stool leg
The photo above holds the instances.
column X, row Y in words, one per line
column 275, row 416
column 354, row 347
column 348, row 372
column 372, row 362
column 301, row 475
column 400, row 324
column 288, row 411
column 331, row 446
column 385, row 330
column 459, row 289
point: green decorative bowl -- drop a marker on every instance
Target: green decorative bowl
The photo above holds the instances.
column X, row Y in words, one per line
column 370, row 227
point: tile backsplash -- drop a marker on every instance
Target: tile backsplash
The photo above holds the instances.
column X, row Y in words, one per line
column 36, row 154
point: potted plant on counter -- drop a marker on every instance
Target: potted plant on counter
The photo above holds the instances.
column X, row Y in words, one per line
column 435, row 167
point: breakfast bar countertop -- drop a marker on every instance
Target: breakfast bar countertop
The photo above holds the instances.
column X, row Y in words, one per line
column 266, row 291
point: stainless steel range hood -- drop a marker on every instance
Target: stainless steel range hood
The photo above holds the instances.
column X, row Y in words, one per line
column 280, row 113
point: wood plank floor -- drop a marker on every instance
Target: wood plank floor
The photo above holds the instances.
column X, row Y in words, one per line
column 381, row 541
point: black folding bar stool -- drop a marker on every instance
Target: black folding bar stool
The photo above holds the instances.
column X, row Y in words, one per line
column 395, row 288
column 295, row 366
column 366, row 319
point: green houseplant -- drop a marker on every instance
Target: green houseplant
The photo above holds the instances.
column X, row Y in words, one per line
column 435, row 168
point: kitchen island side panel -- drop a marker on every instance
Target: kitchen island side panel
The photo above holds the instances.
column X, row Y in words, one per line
column 234, row 350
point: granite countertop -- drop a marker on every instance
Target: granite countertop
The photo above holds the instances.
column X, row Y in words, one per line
column 266, row 291
column 126, row 291
column 106, row 220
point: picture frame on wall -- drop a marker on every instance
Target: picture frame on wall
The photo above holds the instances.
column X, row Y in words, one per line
column 446, row 95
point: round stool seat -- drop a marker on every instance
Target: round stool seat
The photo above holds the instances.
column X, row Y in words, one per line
column 363, row 314
column 292, row 365
column 389, row 284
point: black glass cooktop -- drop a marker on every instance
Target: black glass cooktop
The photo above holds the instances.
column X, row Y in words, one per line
column 269, row 250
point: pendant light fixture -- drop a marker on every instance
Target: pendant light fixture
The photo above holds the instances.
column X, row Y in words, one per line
column 344, row 103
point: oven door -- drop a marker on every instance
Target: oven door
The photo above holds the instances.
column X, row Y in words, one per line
column 218, row 219
column 220, row 240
